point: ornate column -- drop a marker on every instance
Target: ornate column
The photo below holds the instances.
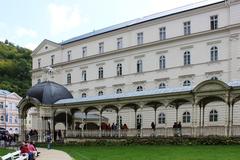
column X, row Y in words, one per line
column 22, row 137
column 66, row 123
column 177, row 112
column 194, row 119
column 100, row 124
column 141, row 112
column 200, row 119
column 203, row 118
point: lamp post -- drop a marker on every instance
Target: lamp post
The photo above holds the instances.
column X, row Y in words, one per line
column 5, row 110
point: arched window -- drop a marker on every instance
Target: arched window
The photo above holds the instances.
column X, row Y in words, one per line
column 213, row 116
column 214, row 53
column 119, row 69
column 139, row 88
column 187, row 83
column 214, row 78
column 119, row 91
column 69, row 78
column 119, row 118
column 187, row 58
column 162, row 85
column 100, row 72
column 139, row 66
column 161, row 118
column 16, row 129
column 84, row 75
column 186, row 117
column 10, row 119
column 84, row 95
column 2, row 118
column 100, row 93
column 162, row 62
column 139, row 119
column 16, row 120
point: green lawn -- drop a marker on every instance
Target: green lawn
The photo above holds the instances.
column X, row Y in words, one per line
column 4, row 151
column 152, row 152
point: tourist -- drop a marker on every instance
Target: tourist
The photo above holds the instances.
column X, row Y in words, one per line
column 153, row 128
column 179, row 126
column 59, row 133
column 125, row 129
column 49, row 140
column 138, row 129
column 25, row 150
column 175, row 126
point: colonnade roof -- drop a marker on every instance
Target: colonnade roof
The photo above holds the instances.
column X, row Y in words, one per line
column 150, row 92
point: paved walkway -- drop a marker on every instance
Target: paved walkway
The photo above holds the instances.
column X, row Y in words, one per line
column 52, row 154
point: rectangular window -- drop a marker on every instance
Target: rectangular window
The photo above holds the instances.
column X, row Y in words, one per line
column 1, row 104
column 39, row 63
column 214, row 22
column 84, row 51
column 119, row 43
column 101, row 47
column 140, row 38
column 52, row 59
column 162, row 33
column 84, row 75
column 187, row 28
column 69, row 55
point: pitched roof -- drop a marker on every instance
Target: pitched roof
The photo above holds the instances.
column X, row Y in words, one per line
column 4, row 92
column 143, row 19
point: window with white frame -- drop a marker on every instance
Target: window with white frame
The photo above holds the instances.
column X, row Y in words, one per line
column 84, row 95
column 187, row 58
column 139, row 119
column 84, row 75
column 139, row 88
column 162, row 33
column 10, row 119
column 119, row 120
column 1, row 104
column 69, row 55
column 162, row 62
column 161, row 118
column 214, row 78
column 84, row 52
column 119, row 69
column 140, row 38
column 69, row 78
column 139, row 66
column 39, row 63
column 2, row 118
column 101, row 47
column 16, row 120
column 213, row 116
column 187, row 83
column 39, row 81
column 100, row 93
column 119, row 43
column 162, row 85
column 119, row 91
column 214, row 22
column 214, row 53
column 187, row 28
column 100, row 73
column 186, row 117
column 52, row 59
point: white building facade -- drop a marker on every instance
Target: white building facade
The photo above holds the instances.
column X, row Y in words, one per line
column 9, row 115
column 177, row 48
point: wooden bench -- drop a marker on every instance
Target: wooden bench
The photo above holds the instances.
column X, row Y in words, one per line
column 14, row 156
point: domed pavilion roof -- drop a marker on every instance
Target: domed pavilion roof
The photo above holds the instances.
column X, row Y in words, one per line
column 49, row 92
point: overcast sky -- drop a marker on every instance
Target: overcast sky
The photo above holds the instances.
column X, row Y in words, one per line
column 28, row 22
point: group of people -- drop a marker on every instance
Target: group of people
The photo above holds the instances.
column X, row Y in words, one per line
column 177, row 129
column 8, row 139
column 32, row 135
column 112, row 130
column 29, row 149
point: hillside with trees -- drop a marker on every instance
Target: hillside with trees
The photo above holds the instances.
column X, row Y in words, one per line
column 15, row 66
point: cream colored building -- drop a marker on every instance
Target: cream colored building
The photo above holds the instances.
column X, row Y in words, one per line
column 168, row 51
column 9, row 116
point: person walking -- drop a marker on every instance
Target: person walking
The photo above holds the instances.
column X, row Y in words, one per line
column 153, row 126
column 49, row 140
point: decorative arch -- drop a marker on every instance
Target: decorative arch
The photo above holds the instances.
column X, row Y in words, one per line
column 154, row 104
column 178, row 102
column 134, row 106
column 88, row 109
column 208, row 99
column 110, row 107
column 25, row 104
column 211, row 85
